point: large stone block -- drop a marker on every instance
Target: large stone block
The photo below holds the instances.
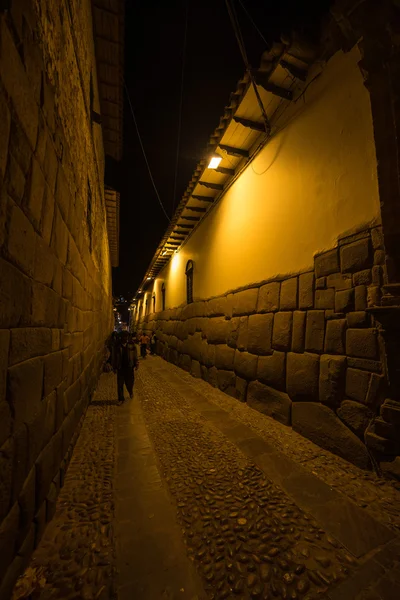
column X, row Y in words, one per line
column 5, row 123
column 362, row 343
column 282, row 331
column 299, row 331
column 28, row 342
column 269, row 402
column 238, row 333
column 224, row 357
column 25, row 385
column 4, row 354
column 245, row 302
column 212, row 376
column 268, row 297
column 319, row 424
column 335, row 336
column 20, row 464
column 288, row 295
column 217, row 330
column 357, row 319
column 45, row 306
column 344, row 301
column 306, row 290
column 16, row 83
column 315, row 330
column 241, row 389
column 6, row 476
column 47, row 465
column 338, row 281
column 36, row 193
column 216, row 307
column 26, row 503
column 195, row 369
column 245, row 365
column 362, row 277
column 21, row 241
column 72, row 395
column 63, row 195
column 52, row 372
column 271, row 370
column 8, row 538
column 332, row 377
column 226, row 382
column 377, row 238
column 302, row 376
column 357, row 383
column 44, row 263
column 15, row 292
column 260, row 333
column 355, row 256
column 325, row 299
column 356, row 416
column 59, row 237
column 327, row 263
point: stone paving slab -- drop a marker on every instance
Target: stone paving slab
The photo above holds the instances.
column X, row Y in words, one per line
column 348, row 523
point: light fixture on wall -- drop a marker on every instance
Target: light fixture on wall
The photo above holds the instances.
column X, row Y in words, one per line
column 214, row 161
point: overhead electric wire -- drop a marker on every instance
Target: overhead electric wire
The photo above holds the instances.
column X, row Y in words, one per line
column 178, row 144
column 254, row 24
column 144, row 154
column 242, row 48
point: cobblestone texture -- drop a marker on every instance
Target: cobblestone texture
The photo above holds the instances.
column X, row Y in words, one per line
column 378, row 496
column 75, row 559
column 247, row 538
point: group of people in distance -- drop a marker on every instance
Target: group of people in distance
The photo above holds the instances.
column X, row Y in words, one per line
column 123, row 357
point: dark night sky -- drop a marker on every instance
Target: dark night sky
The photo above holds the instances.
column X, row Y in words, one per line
column 153, row 67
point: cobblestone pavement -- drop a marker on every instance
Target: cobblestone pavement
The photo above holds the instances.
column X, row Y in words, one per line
column 247, row 538
column 75, row 558
column 378, row 496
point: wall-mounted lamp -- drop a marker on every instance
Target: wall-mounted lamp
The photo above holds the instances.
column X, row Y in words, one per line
column 148, row 278
column 214, row 161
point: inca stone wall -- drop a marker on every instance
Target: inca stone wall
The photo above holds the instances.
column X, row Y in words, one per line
column 55, row 294
column 302, row 349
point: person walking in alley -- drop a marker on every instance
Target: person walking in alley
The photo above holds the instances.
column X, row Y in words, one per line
column 144, row 342
column 124, row 362
column 153, row 342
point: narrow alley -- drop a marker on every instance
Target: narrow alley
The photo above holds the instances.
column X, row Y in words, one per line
column 182, row 492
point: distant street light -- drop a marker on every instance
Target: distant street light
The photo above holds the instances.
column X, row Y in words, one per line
column 214, row 162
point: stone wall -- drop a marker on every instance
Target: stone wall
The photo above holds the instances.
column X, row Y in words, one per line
column 55, row 287
column 302, row 349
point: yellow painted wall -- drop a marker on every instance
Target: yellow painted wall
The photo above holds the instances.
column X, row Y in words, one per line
column 315, row 180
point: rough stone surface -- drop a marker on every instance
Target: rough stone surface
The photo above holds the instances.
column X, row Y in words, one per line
column 327, row 263
column 271, row 370
column 339, row 281
column 245, row 302
column 315, row 330
column 344, row 301
column 302, row 375
column 355, row 257
column 319, row 424
column 245, row 365
column 288, row 295
column 332, row 379
column 356, row 416
column 282, row 331
column 325, row 299
column 260, row 333
column 226, row 381
column 361, row 343
column 357, row 383
column 357, row 319
column 270, row 402
column 299, row 331
column 306, row 290
column 217, row 330
column 335, row 336
column 268, row 297
column 224, row 357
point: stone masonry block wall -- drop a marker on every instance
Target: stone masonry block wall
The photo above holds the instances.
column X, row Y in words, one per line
column 55, row 291
column 302, row 349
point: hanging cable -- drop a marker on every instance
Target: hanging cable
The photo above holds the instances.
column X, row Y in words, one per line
column 242, row 48
column 178, row 144
column 254, row 25
column 144, row 153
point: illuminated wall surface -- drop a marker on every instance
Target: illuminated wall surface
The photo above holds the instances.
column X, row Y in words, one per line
column 315, row 180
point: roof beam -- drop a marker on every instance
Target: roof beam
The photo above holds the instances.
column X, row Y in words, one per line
column 211, row 186
column 190, row 218
column 295, row 71
column 225, row 171
column 185, row 226
column 203, row 198
column 195, row 209
column 262, row 79
column 234, row 151
column 250, row 124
